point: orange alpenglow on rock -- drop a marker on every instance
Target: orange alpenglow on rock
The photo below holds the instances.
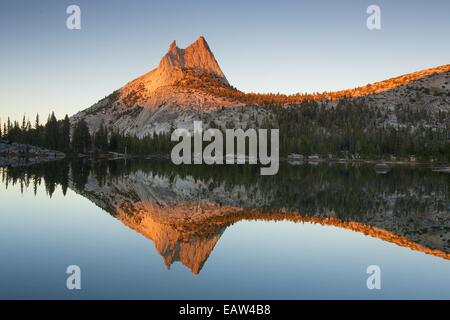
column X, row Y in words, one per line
column 175, row 63
column 170, row 95
column 197, row 56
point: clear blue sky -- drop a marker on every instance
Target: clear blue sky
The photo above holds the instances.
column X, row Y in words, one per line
column 262, row 46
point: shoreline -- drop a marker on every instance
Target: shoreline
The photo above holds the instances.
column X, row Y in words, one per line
column 14, row 154
column 35, row 155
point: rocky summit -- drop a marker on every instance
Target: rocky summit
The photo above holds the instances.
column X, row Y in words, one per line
column 173, row 94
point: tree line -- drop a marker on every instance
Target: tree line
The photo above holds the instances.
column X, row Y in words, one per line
column 54, row 134
column 350, row 129
column 353, row 129
column 59, row 135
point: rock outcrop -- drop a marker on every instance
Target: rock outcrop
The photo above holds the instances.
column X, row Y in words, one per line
column 16, row 154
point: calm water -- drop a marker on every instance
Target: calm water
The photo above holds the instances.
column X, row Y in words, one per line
column 148, row 229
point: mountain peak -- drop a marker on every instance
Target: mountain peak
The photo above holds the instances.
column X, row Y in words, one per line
column 197, row 57
column 173, row 45
column 182, row 78
column 201, row 43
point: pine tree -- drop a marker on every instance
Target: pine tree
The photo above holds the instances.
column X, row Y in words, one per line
column 101, row 138
column 65, row 134
column 114, row 141
column 38, row 138
column 8, row 126
column 23, row 124
column 81, row 138
column 36, row 123
column 51, row 132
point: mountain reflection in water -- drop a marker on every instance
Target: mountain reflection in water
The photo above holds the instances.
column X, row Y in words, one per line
column 185, row 210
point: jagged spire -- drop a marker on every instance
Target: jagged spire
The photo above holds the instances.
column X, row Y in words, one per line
column 197, row 56
column 173, row 45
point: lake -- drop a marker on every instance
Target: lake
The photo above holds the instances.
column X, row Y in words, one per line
column 147, row 229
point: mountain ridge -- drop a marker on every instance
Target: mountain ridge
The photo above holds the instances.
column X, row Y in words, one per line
column 188, row 84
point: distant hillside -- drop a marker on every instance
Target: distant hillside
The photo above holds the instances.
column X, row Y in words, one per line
column 433, row 81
